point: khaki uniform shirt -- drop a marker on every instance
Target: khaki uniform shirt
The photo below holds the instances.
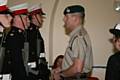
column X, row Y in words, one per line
column 79, row 47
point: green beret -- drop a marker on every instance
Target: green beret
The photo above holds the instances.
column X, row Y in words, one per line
column 74, row 9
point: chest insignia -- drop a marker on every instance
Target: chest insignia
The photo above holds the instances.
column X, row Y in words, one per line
column 11, row 34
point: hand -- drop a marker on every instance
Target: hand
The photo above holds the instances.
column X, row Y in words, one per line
column 57, row 70
column 56, row 74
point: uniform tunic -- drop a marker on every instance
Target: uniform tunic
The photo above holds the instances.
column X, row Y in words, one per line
column 2, row 45
column 33, row 35
column 1, row 34
column 113, row 67
column 14, row 48
column 79, row 47
column 35, row 49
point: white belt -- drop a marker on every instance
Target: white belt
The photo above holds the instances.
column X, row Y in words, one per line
column 32, row 64
column 42, row 55
column 5, row 77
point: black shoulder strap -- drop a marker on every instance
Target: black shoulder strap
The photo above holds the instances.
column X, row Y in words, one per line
column 72, row 42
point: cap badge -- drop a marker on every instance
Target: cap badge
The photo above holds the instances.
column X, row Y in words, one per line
column 11, row 34
column 0, row 35
column 68, row 10
column 19, row 31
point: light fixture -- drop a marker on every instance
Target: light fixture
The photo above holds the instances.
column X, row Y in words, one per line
column 117, row 6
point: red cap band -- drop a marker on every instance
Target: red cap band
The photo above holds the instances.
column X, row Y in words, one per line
column 3, row 8
column 23, row 11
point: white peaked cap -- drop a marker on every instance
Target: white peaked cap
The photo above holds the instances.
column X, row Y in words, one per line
column 19, row 9
column 116, row 30
column 3, row 6
column 117, row 27
column 34, row 7
column 3, row 2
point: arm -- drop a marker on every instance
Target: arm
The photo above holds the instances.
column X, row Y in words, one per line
column 55, row 74
column 78, row 61
column 113, row 67
column 75, row 68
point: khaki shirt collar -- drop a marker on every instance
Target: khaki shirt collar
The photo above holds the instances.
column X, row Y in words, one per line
column 75, row 31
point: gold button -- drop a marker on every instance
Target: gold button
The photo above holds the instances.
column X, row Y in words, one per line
column 9, row 62
column 4, row 41
column 32, row 53
column 0, row 35
column 31, row 28
column 8, row 51
column 19, row 31
column 11, row 34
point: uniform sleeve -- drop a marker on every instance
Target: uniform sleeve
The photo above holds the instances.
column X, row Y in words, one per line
column 112, row 70
column 15, row 45
column 42, row 47
column 78, row 48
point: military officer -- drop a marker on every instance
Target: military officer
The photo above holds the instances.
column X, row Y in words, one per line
column 77, row 62
column 36, row 18
column 5, row 16
column 5, row 24
column 15, row 41
column 36, row 42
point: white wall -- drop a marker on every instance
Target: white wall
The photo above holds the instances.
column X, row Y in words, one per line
column 100, row 17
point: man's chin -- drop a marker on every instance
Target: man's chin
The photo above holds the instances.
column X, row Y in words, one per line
column 7, row 26
column 67, row 32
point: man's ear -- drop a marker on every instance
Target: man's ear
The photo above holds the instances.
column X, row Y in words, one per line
column 75, row 18
column 78, row 19
column 4, row 21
